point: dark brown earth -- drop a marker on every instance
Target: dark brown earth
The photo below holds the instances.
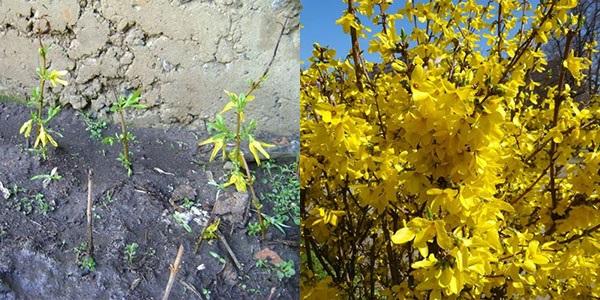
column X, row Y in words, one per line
column 37, row 257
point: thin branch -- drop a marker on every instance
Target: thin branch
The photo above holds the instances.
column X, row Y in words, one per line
column 174, row 269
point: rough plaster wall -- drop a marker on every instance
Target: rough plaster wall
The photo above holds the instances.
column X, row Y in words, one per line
column 181, row 53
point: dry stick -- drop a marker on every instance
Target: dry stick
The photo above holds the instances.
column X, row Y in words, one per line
column 192, row 289
column 174, row 269
column 231, row 253
column 89, row 217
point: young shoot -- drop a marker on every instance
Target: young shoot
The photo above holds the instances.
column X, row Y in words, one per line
column 125, row 137
column 47, row 178
column 41, row 115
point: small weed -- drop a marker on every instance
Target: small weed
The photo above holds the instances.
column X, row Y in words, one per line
column 262, row 264
column 285, row 270
column 84, row 261
column 220, row 258
column 26, row 205
column 179, row 219
column 88, row 263
column 254, row 228
column 187, row 203
column 108, row 199
column 206, row 293
column 94, row 126
column 277, row 221
column 47, row 178
column 131, row 252
column 43, row 206
column 285, row 192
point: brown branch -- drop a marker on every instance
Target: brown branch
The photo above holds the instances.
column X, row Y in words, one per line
column 532, row 185
column 553, row 147
column 174, row 269
column 355, row 51
column 236, row 262
column 90, row 217
column 578, row 236
column 257, row 82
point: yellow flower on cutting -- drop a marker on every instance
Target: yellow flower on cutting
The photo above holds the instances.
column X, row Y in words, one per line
column 218, row 145
column 238, row 180
column 44, row 138
column 26, row 128
column 256, row 146
column 55, row 78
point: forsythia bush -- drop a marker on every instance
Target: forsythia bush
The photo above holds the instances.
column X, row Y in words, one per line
column 445, row 170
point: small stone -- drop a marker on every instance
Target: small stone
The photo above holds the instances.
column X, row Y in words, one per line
column 126, row 59
column 182, row 192
column 228, row 166
column 230, row 275
column 167, row 66
column 123, row 25
column 232, row 208
column 270, row 255
column 5, row 192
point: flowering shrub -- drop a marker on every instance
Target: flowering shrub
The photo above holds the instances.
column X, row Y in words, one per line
column 445, row 170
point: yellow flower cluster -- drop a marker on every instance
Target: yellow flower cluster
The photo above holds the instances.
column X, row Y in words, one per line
column 445, row 170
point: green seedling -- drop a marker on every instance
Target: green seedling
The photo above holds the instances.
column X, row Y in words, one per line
column 262, row 264
column 218, row 257
column 95, row 127
column 131, row 252
column 240, row 175
column 88, row 263
column 286, row 269
column 206, row 292
column 84, row 261
column 27, row 204
column 41, row 116
column 277, row 222
column 125, row 137
column 108, row 199
column 47, row 178
column 285, row 191
column 187, row 203
column 179, row 219
column 254, row 228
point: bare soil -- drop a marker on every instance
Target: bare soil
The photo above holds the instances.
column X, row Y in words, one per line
column 37, row 256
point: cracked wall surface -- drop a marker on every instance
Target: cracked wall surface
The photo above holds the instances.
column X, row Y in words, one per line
column 182, row 54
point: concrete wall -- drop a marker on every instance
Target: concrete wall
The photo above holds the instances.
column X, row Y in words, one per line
column 181, row 53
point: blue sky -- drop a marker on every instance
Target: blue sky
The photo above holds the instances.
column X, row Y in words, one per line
column 318, row 20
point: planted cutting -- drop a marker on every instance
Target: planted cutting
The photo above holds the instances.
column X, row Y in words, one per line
column 125, row 137
column 240, row 175
column 42, row 114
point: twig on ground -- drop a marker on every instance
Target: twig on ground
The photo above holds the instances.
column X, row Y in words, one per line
column 230, row 251
column 90, row 217
column 273, row 289
column 191, row 288
column 174, row 269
